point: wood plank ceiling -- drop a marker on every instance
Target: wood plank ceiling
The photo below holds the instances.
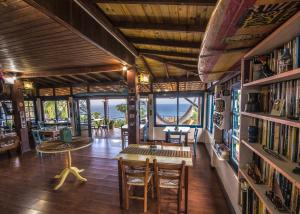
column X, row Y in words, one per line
column 167, row 34
column 31, row 43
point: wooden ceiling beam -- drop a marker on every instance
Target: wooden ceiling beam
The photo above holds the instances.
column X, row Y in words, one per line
column 73, row 71
column 164, row 42
column 169, row 53
column 167, row 70
column 148, row 67
column 161, row 2
column 119, row 83
column 161, row 27
column 104, row 76
column 177, row 61
column 80, row 20
column 67, row 80
column 76, row 78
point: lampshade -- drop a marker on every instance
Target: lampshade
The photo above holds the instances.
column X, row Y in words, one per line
column 28, row 85
column 144, row 78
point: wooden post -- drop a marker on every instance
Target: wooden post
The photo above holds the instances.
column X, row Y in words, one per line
column 19, row 115
column 133, row 108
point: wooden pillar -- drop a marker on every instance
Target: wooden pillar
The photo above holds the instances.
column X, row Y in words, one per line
column 19, row 115
column 133, row 108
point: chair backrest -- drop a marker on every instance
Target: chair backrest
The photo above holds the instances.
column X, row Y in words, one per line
column 36, row 136
column 174, row 136
column 128, row 169
column 40, row 124
column 196, row 135
column 162, row 167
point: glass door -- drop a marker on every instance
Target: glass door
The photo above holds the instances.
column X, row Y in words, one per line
column 235, row 144
column 83, row 117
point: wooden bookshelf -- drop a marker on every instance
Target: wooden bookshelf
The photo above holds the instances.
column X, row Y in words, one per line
column 275, row 119
column 260, row 191
column 285, row 76
column 283, row 34
column 284, row 167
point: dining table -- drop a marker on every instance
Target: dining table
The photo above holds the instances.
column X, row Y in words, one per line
column 185, row 130
column 163, row 154
column 57, row 146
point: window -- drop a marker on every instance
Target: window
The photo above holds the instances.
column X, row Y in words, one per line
column 29, row 110
column 182, row 110
column 62, row 113
column 166, row 110
column 209, row 112
column 49, row 110
column 97, row 108
column 117, row 111
column 143, row 110
column 6, row 116
column 56, row 110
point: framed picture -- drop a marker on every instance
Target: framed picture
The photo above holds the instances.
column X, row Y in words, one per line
column 277, row 107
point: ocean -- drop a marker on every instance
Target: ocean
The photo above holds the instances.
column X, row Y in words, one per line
column 165, row 110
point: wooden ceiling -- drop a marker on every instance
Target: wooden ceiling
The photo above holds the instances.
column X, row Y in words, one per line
column 167, row 34
column 75, row 42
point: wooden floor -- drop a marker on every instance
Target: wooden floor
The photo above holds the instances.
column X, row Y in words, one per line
column 26, row 185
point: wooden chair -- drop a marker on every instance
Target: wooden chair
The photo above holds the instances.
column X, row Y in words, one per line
column 195, row 140
column 175, row 137
column 136, row 173
column 169, row 176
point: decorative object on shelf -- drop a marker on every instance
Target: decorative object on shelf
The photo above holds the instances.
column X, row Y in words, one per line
column 285, row 61
column 65, row 135
column 274, row 154
column 254, row 173
column 252, row 134
column 277, row 108
column 276, row 197
column 253, row 103
column 218, row 120
column 296, row 170
column 219, row 105
column 222, row 151
column 265, row 70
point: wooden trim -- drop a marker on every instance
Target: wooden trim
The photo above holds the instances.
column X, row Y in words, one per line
column 73, row 71
column 161, row 27
column 289, row 75
column 163, row 42
column 160, row 2
column 168, row 53
column 275, row 119
column 284, row 167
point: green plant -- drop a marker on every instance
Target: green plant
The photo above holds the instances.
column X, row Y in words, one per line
column 111, row 124
column 119, row 123
column 122, row 108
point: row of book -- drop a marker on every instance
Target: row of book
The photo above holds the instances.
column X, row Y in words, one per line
column 250, row 202
column 282, row 139
column 279, row 60
column 288, row 92
column 278, row 184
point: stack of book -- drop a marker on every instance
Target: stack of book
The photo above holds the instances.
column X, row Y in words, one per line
column 278, row 61
column 282, row 139
column 270, row 176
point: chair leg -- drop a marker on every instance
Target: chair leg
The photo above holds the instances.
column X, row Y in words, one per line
column 158, row 199
column 152, row 188
column 126, row 196
column 145, row 198
column 195, row 148
column 179, row 199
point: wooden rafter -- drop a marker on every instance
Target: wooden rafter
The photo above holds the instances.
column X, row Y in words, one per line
column 161, row 2
column 66, row 79
column 55, row 80
column 88, row 76
column 76, row 78
column 168, row 43
column 80, row 21
column 104, row 76
column 72, row 71
column 148, row 67
column 166, row 70
column 161, row 27
column 176, row 61
column 169, row 53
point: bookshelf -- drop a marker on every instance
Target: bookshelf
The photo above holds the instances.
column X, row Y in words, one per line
column 260, row 191
column 284, row 36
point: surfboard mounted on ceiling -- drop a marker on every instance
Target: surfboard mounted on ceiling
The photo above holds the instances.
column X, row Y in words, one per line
column 234, row 28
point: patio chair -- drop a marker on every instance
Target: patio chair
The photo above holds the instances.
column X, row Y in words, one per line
column 175, row 137
column 136, row 174
column 169, row 176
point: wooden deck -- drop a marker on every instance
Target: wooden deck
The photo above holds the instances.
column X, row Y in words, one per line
column 26, row 185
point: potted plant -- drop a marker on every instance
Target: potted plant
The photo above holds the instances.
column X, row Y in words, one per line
column 111, row 124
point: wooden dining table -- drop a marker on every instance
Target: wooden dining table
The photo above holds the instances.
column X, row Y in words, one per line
column 163, row 154
column 185, row 130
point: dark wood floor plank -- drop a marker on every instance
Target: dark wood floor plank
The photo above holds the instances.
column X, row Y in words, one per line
column 26, row 185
